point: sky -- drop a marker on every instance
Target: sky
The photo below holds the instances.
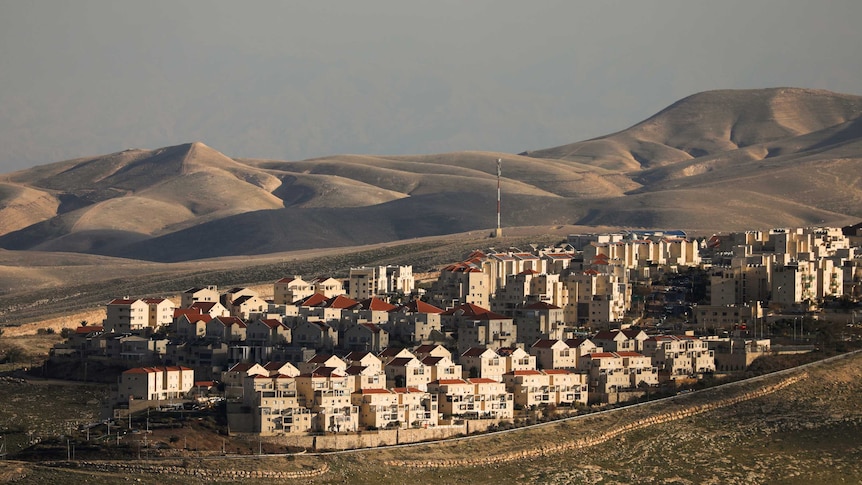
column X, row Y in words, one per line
column 296, row 80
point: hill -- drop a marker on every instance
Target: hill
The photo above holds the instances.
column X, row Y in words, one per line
column 719, row 160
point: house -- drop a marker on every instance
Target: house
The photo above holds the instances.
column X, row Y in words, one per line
column 327, row 286
column 208, row 294
column 364, row 358
column 160, row 312
column 620, row 340
column 327, row 393
column 286, row 291
column 190, row 325
column 267, row 331
column 482, row 362
column 378, row 408
column 365, row 336
column 366, row 282
column 246, row 306
column 477, row 398
column 540, row 320
column 124, row 315
column 322, row 360
column 554, row 354
column 365, row 377
column 551, row 386
column 529, row 388
column 477, row 326
column 155, row 383
column 275, row 404
column 407, row 372
column 211, row 308
column 373, row 310
column 571, row 388
column 414, row 322
column 226, row 329
column 442, row 367
column 516, row 358
column 388, row 354
column 431, row 350
column 419, row 407
column 316, row 335
column 234, row 377
column 679, row 356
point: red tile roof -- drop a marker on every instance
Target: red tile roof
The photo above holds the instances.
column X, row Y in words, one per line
column 375, row 391
column 483, row 380
column 467, row 309
column 407, row 390
column 557, row 371
column 376, row 304
column 317, row 299
column 418, row 306
column 340, row 302
column 526, row 372
column 626, row 353
column 449, row 382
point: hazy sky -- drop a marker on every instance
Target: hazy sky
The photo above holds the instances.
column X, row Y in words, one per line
column 294, row 80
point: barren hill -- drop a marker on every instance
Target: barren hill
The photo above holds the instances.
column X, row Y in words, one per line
column 719, row 160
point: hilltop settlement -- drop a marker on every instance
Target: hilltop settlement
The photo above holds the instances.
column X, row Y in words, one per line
column 598, row 319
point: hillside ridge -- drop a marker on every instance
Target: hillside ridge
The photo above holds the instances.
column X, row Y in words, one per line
column 717, row 160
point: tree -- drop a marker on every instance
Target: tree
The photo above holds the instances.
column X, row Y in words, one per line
column 14, row 354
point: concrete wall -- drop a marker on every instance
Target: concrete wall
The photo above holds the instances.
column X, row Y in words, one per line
column 372, row 439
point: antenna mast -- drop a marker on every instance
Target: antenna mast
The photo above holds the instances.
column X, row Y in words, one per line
column 499, row 232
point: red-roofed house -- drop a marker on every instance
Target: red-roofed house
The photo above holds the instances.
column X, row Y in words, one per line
column 419, row 407
column 414, row 322
column 125, row 316
column 315, row 335
column 211, row 308
column 365, row 336
column 161, row 312
column 191, row 325
column 322, row 360
column 378, row 408
column 193, row 295
column 551, row 386
column 407, row 372
column 477, row 327
column 226, row 329
column 431, row 350
column 516, row 358
column 267, row 331
column 327, row 393
column 442, row 367
column 155, row 383
column 286, row 291
column 482, row 362
column 373, row 310
column 276, row 407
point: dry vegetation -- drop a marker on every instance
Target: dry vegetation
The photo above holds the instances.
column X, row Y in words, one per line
column 808, row 432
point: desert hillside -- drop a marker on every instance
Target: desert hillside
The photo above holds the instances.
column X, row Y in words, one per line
column 719, row 160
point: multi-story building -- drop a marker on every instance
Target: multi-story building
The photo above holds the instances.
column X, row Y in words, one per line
column 679, row 356
column 155, row 383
